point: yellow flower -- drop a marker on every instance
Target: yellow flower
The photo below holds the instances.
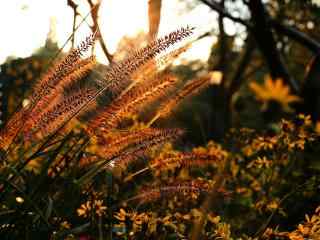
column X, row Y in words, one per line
column 248, row 151
column 65, row 225
column 260, row 163
column 138, row 220
column 100, row 208
column 310, row 229
column 317, row 127
column 274, row 91
column 121, row 216
column 272, row 205
column 166, row 220
column 186, row 217
column 295, row 236
column 84, row 209
column 214, row 219
column 255, row 185
column 223, row 231
column 306, row 119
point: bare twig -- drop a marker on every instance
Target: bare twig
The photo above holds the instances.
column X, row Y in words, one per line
column 74, row 7
column 95, row 28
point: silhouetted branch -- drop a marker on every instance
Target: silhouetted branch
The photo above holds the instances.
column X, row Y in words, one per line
column 223, row 45
column 95, row 28
column 297, row 35
column 224, row 13
column 237, row 78
column 74, row 7
column 104, row 47
column 267, row 44
column 263, row 34
column 288, row 31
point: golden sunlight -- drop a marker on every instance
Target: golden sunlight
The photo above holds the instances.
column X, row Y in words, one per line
column 39, row 15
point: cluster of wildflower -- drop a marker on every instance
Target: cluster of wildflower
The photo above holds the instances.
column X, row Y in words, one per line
column 130, row 223
column 88, row 208
column 309, row 229
column 293, row 135
column 296, row 134
column 258, row 163
column 136, row 219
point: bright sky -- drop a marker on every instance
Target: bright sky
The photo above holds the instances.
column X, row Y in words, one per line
column 25, row 24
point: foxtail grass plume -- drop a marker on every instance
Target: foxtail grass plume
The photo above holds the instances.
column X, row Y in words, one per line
column 131, row 102
column 63, row 111
column 162, row 62
column 120, row 74
column 183, row 188
column 186, row 160
column 46, row 102
column 60, row 70
column 120, row 142
column 188, row 90
column 144, row 145
column 11, row 129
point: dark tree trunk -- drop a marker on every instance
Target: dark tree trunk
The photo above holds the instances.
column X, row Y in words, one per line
column 267, row 44
column 220, row 119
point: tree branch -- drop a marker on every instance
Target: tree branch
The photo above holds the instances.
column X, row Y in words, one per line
column 288, row 31
column 95, row 28
column 224, row 13
column 267, row 44
column 74, row 7
column 237, row 78
column 223, row 44
column 297, row 35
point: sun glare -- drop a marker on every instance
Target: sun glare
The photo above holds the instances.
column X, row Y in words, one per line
column 117, row 18
column 122, row 17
